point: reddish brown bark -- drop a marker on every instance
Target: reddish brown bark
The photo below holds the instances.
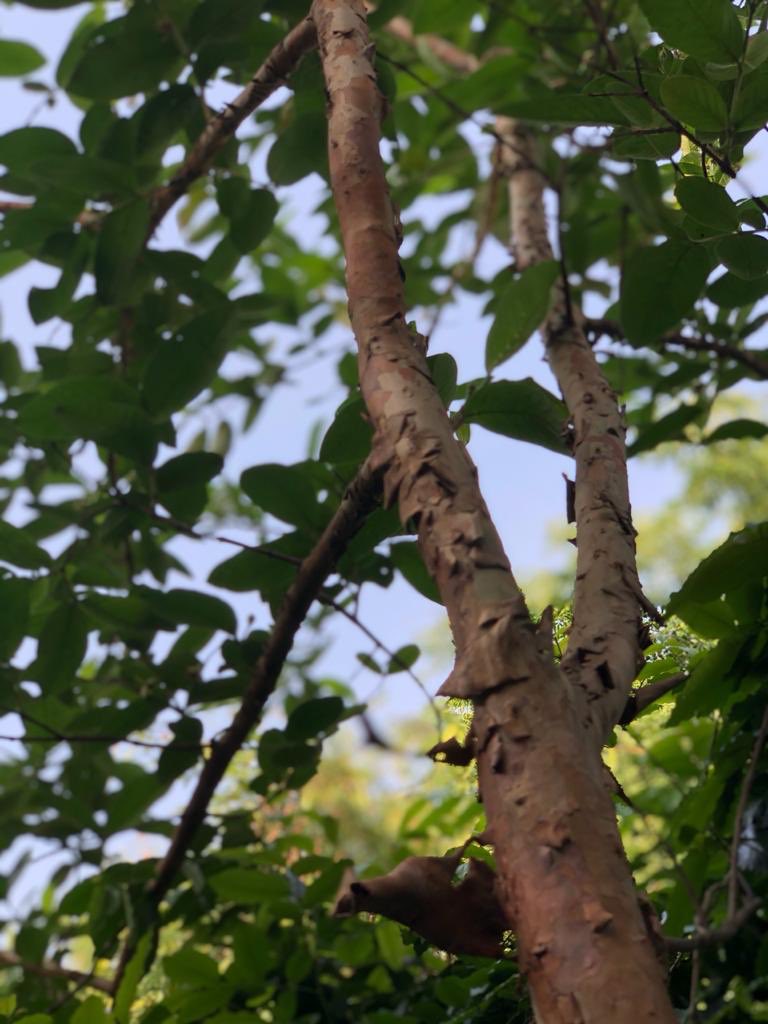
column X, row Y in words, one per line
column 565, row 885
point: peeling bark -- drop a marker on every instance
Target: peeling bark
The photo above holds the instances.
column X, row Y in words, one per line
column 563, row 881
column 604, row 649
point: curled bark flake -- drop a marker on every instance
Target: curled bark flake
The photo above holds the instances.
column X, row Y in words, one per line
column 453, row 752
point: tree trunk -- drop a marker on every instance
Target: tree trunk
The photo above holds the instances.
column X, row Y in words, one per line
column 538, row 729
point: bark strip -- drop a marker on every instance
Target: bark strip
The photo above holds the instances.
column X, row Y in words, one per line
column 564, row 883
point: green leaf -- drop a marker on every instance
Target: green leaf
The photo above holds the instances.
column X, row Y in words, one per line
column 521, row 409
column 731, row 291
column 186, row 364
column 91, row 1011
column 522, row 307
column 708, row 683
column 707, row 29
column 403, row 659
column 406, row 557
column 299, row 149
column 444, row 373
column 696, row 102
column 19, row 549
column 639, row 146
column 348, row 439
column 669, row 428
column 22, row 148
column 182, row 482
column 707, row 203
column 751, row 106
column 251, row 212
column 61, row 648
column 15, row 597
column 745, row 255
column 659, row 286
column 99, row 408
column 132, row 975
column 389, row 939
column 739, row 562
column 314, row 717
column 555, row 107
column 118, row 248
column 242, row 885
column 119, row 60
column 190, row 607
column 286, row 492
column 18, row 58
column 736, row 429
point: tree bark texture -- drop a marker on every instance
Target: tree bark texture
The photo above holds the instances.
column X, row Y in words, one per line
column 564, row 882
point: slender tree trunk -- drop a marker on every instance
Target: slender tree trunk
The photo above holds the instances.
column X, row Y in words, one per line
column 538, row 728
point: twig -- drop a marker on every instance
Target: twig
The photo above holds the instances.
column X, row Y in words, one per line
column 613, row 330
column 282, row 60
column 49, row 969
column 55, row 736
column 360, row 498
column 714, row 936
column 392, row 655
column 746, row 787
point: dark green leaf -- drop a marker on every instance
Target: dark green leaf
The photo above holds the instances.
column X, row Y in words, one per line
column 707, row 29
column 286, row 492
column 745, row 255
column 187, row 363
column 118, row 247
column 444, row 372
column 119, row 60
column 241, row 885
column 15, row 596
column 707, row 203
column 403, row 659
column 348, row 439
column 669, row 428
column 695, row 101
column 521, row 409
column 19, row 549
column 299, row 149
column 314, row 717
column 190, row 607
column 406, row 557
column 731, row 291
column 659, row 286
column 523, row 305
column 99, row 409
column 736, row 429
column 62, row 646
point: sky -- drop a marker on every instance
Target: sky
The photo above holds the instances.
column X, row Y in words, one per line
column 522, row 483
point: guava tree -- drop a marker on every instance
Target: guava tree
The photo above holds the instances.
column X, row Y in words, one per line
column 617, row 135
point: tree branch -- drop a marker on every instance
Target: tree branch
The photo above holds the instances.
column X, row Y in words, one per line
column 641, row 698
column 721, row 349
column 50, row 969
column 360, row 497
column 282, row 60
column 604, row 649
column 738, row 821
column 714, row 936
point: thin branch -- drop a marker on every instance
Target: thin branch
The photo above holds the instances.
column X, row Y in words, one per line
column 56, row 736
column 360, row 498
column 604, row 648
column 721, row 349
column 641, row 698
column 746, row 788
column 273, row 73
column 392, row 655
column 49, row 969
column 714, row 936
